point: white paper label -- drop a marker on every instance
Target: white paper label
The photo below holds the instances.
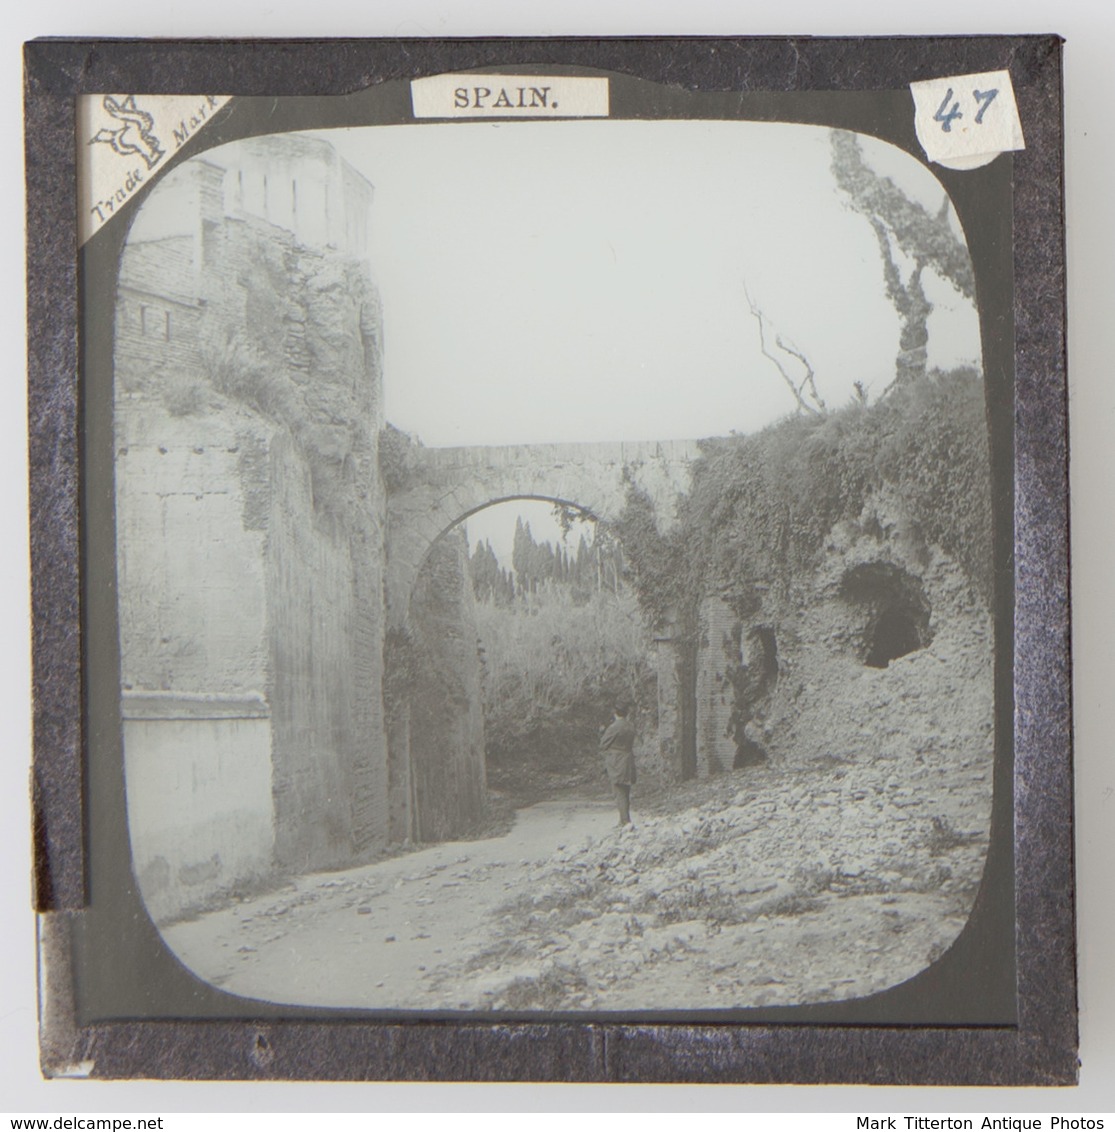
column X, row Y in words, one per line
column 965, row 121
column 125, row 140
column 509, row 96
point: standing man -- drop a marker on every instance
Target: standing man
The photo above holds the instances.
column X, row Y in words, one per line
column 616, row 745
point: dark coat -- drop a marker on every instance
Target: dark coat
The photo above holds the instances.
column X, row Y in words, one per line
column 616, row 745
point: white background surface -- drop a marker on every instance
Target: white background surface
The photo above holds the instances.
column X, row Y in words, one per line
column 1089, row 27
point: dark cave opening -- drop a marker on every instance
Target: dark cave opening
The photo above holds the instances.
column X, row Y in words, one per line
column 763, row 658
column 896, row 607
column 894, row 634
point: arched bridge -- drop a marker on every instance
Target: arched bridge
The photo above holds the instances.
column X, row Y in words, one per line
column 445, row 485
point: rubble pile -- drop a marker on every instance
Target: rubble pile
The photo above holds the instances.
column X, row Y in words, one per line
column 776, row 886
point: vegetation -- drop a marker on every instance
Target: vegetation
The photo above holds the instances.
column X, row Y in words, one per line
column 905, row 231
column 396, row 456
column 260, row 355
column 554, row 668
column 761, row 505
column 596, row 565
column 563, row 639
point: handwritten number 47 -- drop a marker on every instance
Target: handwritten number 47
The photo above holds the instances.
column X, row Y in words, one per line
column 947, row 114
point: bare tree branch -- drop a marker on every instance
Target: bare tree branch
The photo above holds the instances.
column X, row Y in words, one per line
column 794, row 388
column 806, row 381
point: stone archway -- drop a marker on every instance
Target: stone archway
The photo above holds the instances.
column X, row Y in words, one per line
column 441, row 489
column 443, row 486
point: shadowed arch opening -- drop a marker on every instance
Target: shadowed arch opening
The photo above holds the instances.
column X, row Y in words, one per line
column 565, row 512
column 521, row 634
column 431, row 490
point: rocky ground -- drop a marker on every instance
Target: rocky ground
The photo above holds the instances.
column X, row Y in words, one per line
column 767, row 886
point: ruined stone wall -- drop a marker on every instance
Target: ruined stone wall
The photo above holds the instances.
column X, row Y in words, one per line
column 839, row 696
column 884, row 652
column 324, row 673
column 193, row 636
column 313, row 367
column 674, row 754
column 446, row 726
column 250, row 520
column 718, row 656
column 190, row 563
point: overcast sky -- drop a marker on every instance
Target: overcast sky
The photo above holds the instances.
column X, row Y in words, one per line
column 563, row 281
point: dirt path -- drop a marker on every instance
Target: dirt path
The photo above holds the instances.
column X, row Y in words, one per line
column 385, row 935
column 761, row 887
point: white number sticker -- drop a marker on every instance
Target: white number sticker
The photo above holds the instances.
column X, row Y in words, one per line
column 965, row 121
